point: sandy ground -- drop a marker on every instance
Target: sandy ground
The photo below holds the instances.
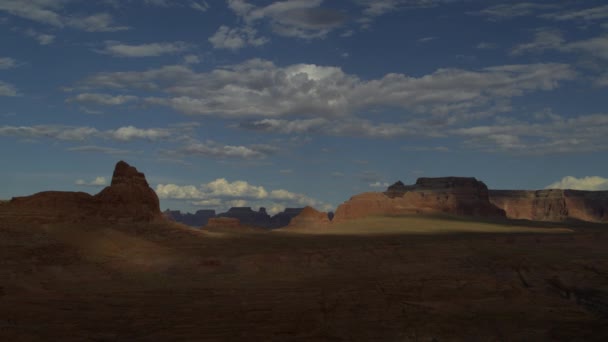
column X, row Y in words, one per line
column 379, row 279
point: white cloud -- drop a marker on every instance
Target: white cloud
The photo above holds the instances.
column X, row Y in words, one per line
column 7, row 89
column 260, row 88
column 596, row 47
column 102, row 99
column 236, row 38
column 50, row 12
column 75, row 133
column 98, row 181
column 7, row 63
column 118, row 49
column 588, row 14
column 379, row 185
column 291, row 18
column 513, row 10
column 213, row 149
column 129, row 133
column 192, row 59
column 42, row 38
column 223, row 193
column 593, row 183
column 99, row 149
column 543, row 40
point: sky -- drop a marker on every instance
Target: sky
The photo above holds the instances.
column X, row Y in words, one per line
column 293, row 103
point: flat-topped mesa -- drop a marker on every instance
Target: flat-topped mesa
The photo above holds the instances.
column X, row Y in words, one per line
column 552, row 204
column 249, row 217
column 309, row 217
column 450, row 195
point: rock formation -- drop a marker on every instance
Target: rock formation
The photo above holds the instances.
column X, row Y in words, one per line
column 283, row 218
column 309, row 217
column 128, row 198
column 552, row 204
column 449, row 195
column 198, row 219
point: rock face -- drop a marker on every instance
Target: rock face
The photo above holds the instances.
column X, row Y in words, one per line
column 283, row 218
column 198, row 219
column 309, row 217
column 128, row 198
column 449, row 195
column 552, row 204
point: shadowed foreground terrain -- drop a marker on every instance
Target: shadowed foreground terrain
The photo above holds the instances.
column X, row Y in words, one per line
column 420, row 279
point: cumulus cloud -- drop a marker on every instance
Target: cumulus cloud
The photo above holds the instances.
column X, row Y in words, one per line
column 379, row 185
column 593, row 183
column 130, row 132
column 98, row 181
column 224, row 193
column 192, row 59
column 236, row 38
column 291, row 18
column 7, row 89
column 51, row 12
column 260, row 88
column 102, row 99
column 118, row 49
column 7, row 63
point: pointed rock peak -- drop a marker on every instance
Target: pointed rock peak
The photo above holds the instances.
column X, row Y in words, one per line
column 127, row 174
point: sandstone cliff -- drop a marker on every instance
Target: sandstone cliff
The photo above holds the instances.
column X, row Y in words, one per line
column 449, row 195
column 552, row 204
column 309, row 217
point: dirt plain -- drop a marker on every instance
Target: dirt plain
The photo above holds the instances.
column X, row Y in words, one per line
column 379, row 279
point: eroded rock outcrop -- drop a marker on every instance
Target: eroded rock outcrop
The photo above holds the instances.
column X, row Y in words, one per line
column 309, row 217
column 198, row 219
column 552, row 204
column 128, row 198
column 448, row 195
column 248, row 216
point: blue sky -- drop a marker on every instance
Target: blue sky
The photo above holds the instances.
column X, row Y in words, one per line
column 293, row 103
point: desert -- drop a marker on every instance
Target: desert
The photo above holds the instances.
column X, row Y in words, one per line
column 433, row 276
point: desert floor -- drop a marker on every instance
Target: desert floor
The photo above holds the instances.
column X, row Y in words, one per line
column 378, row 279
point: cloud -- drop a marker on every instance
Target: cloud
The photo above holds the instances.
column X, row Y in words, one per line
column 426, row 39
column 593, row 183
column 7, row 89
column 259, row 88
column 223, row 193
column 99, row 149
column 548, row 135
column 192, row 59
column 588, row 14
column 7, row 63
column 596, row 47
column 213, row 149
column 42, row 38
column 376, row 8
column 543, row 40
column 236, row 38
column 513, row 10
column 98, row 181
column 61, row 132
column 118, row 49
column 49, row 12
column 291, row 18
column 129, row 133
column 379, row 185
column 102, row 99
column 485, row 46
